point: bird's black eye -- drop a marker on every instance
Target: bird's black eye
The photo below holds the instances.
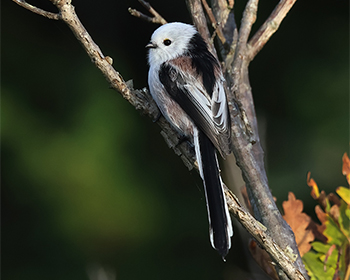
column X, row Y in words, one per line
column 166, row 42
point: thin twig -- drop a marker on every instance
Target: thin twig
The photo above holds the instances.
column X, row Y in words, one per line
column 153, row 11
column 37, row 10
column 226, row 18
column 249, row 17
column 157, row 18
column 142, row 16
column 270, row 26
column 214, row 23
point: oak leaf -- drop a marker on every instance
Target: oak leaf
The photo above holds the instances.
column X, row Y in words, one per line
column 299, row 222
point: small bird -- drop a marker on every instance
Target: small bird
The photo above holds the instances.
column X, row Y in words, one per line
column 187, row 83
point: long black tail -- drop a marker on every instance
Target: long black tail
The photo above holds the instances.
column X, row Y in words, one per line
column 220, row 227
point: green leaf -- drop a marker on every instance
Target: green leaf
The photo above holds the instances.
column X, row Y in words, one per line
column 309, row 271
column 316, row 268
column 320, row 247
column 347, row 213
column 344, row 193
column 333, row 233
column 343, row 264
column 344, row 220
column 328, row 206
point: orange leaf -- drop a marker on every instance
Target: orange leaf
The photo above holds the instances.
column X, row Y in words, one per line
column 321, row 215
column 315, row 193
column 299, row 222
column 346, row 167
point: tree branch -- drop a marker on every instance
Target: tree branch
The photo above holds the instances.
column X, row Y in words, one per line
column 157, row 18
column 249, row 153
column 36, row 10
column 250, row 156
column 214, row 23
column 224, row 15
column 249, row 17
column 270, row 26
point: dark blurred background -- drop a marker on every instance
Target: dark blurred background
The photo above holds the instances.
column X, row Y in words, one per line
column 89, row 184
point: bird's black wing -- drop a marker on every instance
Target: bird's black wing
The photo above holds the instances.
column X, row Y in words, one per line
column 208, row 111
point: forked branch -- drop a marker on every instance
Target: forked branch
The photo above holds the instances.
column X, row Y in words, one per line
column 157, row 18
column 270, row 26
column 37, row 10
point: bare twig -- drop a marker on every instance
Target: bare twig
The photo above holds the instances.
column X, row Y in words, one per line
column 249, row 17
column 153, row 11
column 223, row 14
column 225, row 17
column 214, row 23
column 270, row 26
column 36, row 10
column 198, row 18
column 157, row 18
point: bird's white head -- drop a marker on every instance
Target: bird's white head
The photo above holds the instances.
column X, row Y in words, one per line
column 169, row 41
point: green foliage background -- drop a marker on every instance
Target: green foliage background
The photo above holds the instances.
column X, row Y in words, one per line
column 87, row 180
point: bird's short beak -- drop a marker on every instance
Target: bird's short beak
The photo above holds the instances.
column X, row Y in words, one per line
column 151, row 45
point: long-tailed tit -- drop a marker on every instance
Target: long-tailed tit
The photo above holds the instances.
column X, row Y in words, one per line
column 186, row 82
